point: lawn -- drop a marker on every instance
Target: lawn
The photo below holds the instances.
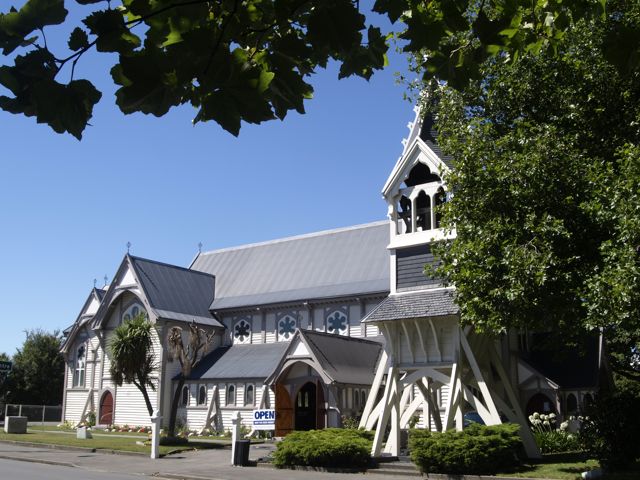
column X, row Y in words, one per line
column 106, row 442
column 567, row 466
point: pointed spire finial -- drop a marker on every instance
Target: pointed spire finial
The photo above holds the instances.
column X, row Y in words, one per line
column 95, row 281
column 199, row 247
column 128, row 246
column 105, row 279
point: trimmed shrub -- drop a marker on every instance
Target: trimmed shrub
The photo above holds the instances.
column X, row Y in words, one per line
column 328, row 448
column 478, row 449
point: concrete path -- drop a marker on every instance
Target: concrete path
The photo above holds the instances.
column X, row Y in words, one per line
column 193, row 465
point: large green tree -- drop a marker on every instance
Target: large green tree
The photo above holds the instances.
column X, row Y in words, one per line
column 132, row 356
column 37, row 377
column 251, row 60
column 545, row 190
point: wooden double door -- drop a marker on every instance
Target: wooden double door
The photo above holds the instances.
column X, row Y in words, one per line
column 305, row 411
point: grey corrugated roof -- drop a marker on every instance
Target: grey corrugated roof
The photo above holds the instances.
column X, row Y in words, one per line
column 334, row 263
column 240, row 361
column 345, row 359
column 419, row 304
column 176, row 293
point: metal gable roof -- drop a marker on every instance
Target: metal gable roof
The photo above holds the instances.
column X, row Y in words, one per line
column 332, row 263
column 418, row 304
column 344, row 359
column 176, row 293
column 240, row 361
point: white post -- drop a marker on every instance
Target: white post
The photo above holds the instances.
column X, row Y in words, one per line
column 236, row 421
column 156, row 421
column 20, row 410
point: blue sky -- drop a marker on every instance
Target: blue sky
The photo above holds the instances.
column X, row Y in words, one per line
column 68, row 208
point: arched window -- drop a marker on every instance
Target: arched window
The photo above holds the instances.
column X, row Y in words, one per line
column 133, row 311
column 356, row 399
column 419, row 175
column 423, row 212
column 202, row 395
column 249, row 395
column 587, row 401
column 363, row 397
column 79, row 366
column 242, row 332
column 404, row 215
column 231, row 395
column 572, row 403
column 184, row 398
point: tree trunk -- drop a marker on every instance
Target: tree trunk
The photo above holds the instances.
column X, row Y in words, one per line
column 174, row 407
column 145, row 395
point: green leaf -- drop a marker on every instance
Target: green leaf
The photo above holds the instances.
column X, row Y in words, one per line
column 113, row 35
column 393, row 8
column 221, row 108
column 65, row 108
column 15, row 26
column 78, row 39
column 335, row 25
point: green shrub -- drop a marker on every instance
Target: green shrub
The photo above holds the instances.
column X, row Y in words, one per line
column 478, row 449
column 609, row 432
column 331, row 447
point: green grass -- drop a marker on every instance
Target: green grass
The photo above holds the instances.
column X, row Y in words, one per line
column 567, row 466
column 111, row 442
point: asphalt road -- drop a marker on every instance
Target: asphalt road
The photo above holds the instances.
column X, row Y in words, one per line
column 16, row 470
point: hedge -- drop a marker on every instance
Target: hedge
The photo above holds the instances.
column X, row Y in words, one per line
column 328, row 448
column 478, row 449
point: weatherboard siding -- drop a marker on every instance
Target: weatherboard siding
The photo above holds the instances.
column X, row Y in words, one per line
column 74, row 405
column 410, row 268
column 130, row 407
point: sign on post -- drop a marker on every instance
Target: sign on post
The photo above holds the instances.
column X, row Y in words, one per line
column 264, row 419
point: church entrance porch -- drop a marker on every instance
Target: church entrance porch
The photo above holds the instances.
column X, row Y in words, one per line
column 300, row 406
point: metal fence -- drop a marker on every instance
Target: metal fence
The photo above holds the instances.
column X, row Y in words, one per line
column 35, row 413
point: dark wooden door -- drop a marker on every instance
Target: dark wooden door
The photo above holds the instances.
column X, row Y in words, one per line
column 106, row 409
column 284, row 411
column 305, row 407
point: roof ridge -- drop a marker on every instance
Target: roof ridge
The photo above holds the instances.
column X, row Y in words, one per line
column 296, row 237
column 170, row 265
column 341, row 337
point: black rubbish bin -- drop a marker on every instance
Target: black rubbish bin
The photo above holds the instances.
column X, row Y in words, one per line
column 241, row 453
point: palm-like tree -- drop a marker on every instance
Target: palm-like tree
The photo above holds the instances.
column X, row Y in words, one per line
column 132, row 358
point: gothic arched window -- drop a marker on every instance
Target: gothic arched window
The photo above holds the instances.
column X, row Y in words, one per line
column 249, row 395
column 231, row 395
column 79, row 366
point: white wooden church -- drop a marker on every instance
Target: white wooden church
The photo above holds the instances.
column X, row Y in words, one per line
column 322, row 327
